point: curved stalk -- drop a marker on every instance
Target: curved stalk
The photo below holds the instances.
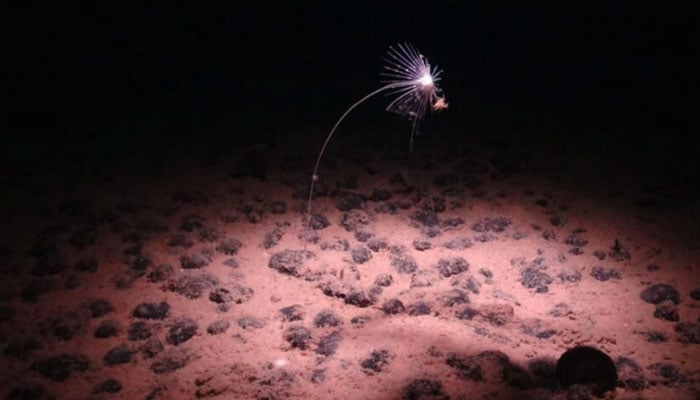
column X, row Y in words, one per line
column 314, row 177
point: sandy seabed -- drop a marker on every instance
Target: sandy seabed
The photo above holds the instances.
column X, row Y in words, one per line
column 446, row 273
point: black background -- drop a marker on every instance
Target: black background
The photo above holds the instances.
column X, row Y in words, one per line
column 91, row 74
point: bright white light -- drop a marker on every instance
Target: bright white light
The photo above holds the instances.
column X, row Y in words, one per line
column 426, row 80
column 280, row 362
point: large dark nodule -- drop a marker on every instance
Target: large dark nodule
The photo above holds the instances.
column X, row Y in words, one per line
column 584, row 365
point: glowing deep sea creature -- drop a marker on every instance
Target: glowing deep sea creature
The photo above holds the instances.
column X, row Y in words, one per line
column 413, row 81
